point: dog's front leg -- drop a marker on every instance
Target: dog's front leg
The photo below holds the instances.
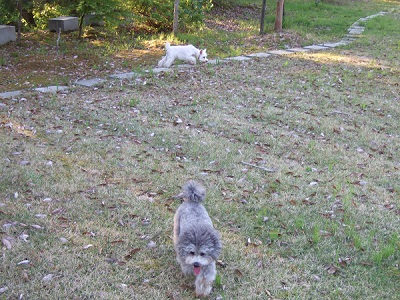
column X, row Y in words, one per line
column 205, row 279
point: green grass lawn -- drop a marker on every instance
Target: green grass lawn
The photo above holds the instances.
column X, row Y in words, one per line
column 89, row 178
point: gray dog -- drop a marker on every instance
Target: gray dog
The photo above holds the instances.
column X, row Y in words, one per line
column 197, row 244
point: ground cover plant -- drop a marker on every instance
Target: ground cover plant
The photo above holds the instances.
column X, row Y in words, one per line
column 299, row 155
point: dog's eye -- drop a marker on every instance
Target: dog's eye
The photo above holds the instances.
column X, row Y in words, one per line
column 202, row 254
column 191, row 253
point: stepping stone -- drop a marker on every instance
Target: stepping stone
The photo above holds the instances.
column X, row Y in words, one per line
column 355, row 27
column 90, row 82
column 298, row 50
column 280, row 52
column 260, row 54
column 52, row 89
column 238, row 58
column 355, row 32
column 186, row 66
column 215, row 61
column 7, row 34
column 350, row 38
column 8, row 95
column 63, row 23
column 316, row 47
column 333, row 45
column 125, row 75
column 159, row 70
column 345, row 42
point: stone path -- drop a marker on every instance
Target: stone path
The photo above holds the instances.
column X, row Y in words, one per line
column 354, row 32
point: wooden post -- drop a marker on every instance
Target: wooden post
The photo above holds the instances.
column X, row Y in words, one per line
column 264, row 8
column 279, row 15
column 176, row 19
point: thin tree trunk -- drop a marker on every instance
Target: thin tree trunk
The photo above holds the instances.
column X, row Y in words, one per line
column 81, row 25
column 262, row 20
column 176, row 19
column 19, row 5
column 279, row 15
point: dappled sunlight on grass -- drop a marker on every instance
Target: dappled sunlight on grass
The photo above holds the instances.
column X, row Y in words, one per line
column 142, row 57
column 16, row 127
column 335, row 58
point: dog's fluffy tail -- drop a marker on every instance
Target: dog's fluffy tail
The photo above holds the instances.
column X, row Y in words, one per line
column 194, row 192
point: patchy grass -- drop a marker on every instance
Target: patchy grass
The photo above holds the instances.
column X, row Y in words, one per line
column 229, row 30
column 89, row 175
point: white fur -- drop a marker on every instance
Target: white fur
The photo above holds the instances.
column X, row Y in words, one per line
column 188, row 53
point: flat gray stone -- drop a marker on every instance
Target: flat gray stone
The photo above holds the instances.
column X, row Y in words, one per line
column 355, row 32
column 316, row 47
column 260, row 54
column 90, row 82
column 8, row 95
column 129, row 75
column 215, row 61
column 332, row 45
column 159, row 70
column 280, row 52
column 238, row 58
column 356, row 27
column 345, row 42
column 7, row 34
column 182, row 66
column 297, row 49
column 63, row 23
column 52, row 89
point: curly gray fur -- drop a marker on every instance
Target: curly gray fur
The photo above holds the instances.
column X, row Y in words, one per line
column 197, row 244
column 194, row 192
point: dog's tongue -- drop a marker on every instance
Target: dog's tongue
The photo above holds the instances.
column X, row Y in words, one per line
column 196, row 270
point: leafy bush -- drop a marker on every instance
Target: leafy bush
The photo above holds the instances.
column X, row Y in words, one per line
column 8, row 12
column 42, row 14
column 157, row 15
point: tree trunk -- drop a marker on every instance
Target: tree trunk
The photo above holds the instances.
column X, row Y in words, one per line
column 19, row 5
column 176, row 19
column 279, row 15
column 264, row 8
column 81, row 25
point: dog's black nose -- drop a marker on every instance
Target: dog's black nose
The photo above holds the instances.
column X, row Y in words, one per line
column 196, row 264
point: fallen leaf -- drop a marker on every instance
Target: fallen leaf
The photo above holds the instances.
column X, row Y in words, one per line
column 151, row 244
column 332, row 269
column 47, row 278
column 87, row 246
column 131, row 253
column 344, row 261
column 117, row 242
column 36, row 226
column 6, row 243
column 23, row 236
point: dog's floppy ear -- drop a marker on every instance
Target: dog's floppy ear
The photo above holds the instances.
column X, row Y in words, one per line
column 216, row 240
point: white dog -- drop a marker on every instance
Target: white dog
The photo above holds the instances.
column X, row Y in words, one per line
column 187, row 53
column 197, row 243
